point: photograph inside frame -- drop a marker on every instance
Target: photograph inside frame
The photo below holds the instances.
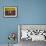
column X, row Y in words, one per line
column 32, row 32
column 10, row 11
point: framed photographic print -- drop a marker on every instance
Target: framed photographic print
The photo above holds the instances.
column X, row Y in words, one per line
column 10, row 11
column 34, row 32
